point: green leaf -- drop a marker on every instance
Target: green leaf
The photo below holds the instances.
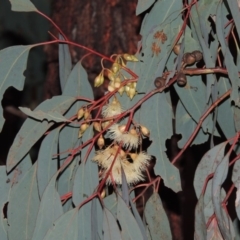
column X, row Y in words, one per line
column 50, row 209
column 213, row 231
column 185, row 126
column 157, row 219
column 222, row 218
column 143, row 5
column 23, row 206
column 65, row 62
column 47, row 160
column 4, row 191
column 65, row 227
column 236, row 181
column 110, row 226
column 110, row 202
column 22, row 6
column 207, row 166
column 156, row 115
column 32, row 130
column 85, row 181
column 13, row 62
column 41, row 115
column 129, row 226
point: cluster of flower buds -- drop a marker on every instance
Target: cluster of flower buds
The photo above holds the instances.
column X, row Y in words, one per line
column 115, row 76
column 83, row 113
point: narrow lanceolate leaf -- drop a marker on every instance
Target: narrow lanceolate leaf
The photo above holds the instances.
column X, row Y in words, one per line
column 110, row 227
column 47, row 160
column 31, row 130
column 23, row 207
column 207, row 166
column 4, row 190
column 50, row 209
column 65, row 227
column 65, row 62
column 221, row 216
column 156, row 114
column 213, row 232
column 157, row 219
column 22, row 6
column 110, row 202
column 129, row 226
column 41, row 115
column 236, row 181
column 143, row 6
column 13, row 62
column 85, row 181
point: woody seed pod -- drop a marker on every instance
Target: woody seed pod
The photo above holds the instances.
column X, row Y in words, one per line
column 159, row 82
column 176, row 48
column 181, row 79
column 198, row 55
column 189, row 58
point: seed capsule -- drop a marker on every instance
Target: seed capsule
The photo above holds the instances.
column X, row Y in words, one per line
column 198, row 55
column 189, row 58
column 176, row 48
column 159, row 82
column 181, row 79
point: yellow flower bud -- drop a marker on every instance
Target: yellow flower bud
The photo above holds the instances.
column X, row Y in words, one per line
column 122, row 128
column 117, row 82
column 103, row 193
column 80, row 113
column 99, row 80
column 111, row 76
column 115, row 67
column 130, row 57
column 145, row 132
column 100, row 142
column 121, row 90
column 97, row 126
column 132, row 93
column 82, row 129
column 87, row 114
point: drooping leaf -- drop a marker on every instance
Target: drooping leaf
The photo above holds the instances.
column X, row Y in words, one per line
column 23, row 206
column 65, row 227
column 4, row 191
column 65, row 62
column 185, row 126
column 85, row 181
column 41, row 115
column 110, row 202
column 156, row 114
column 143, row 6
column 22, row 6
column 236, row 181
column 213, row 232
column 129, row 226
column 32, row 130
column 96, row 219
column 47, row 160
column 110, row 226
column 13, row 62
column 222, row 218
column 125, row 190
column 157, row 219
column 207, row 166
column 50, row 209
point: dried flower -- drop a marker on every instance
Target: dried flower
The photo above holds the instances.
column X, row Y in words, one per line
column 112, row 109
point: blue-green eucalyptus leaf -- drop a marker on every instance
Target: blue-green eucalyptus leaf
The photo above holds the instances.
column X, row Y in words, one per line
column 42, row 115
column 129, row 226
column 143, row 6
column 213, row 232
column 4, row 191
column 84, row 220
column 229, row 62
column 208, row 165
column 157, row 219
column 110, row 202
column 156, row 115
column 13, row 62
column 96, row 220
column 65, row 227
column 65, row 62
column 218, row 179
column 185, row 126
column 23, row 206
column 225, row 114
column 50, row 209
column 31, row 130
column 47, row 160
column 110, row 226
column 236, row 181
column 22, row 6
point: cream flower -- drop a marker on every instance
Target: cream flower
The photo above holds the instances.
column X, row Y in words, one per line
column 112, row 109
column 141, row 160
column 133, row 171
column 128, row 139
